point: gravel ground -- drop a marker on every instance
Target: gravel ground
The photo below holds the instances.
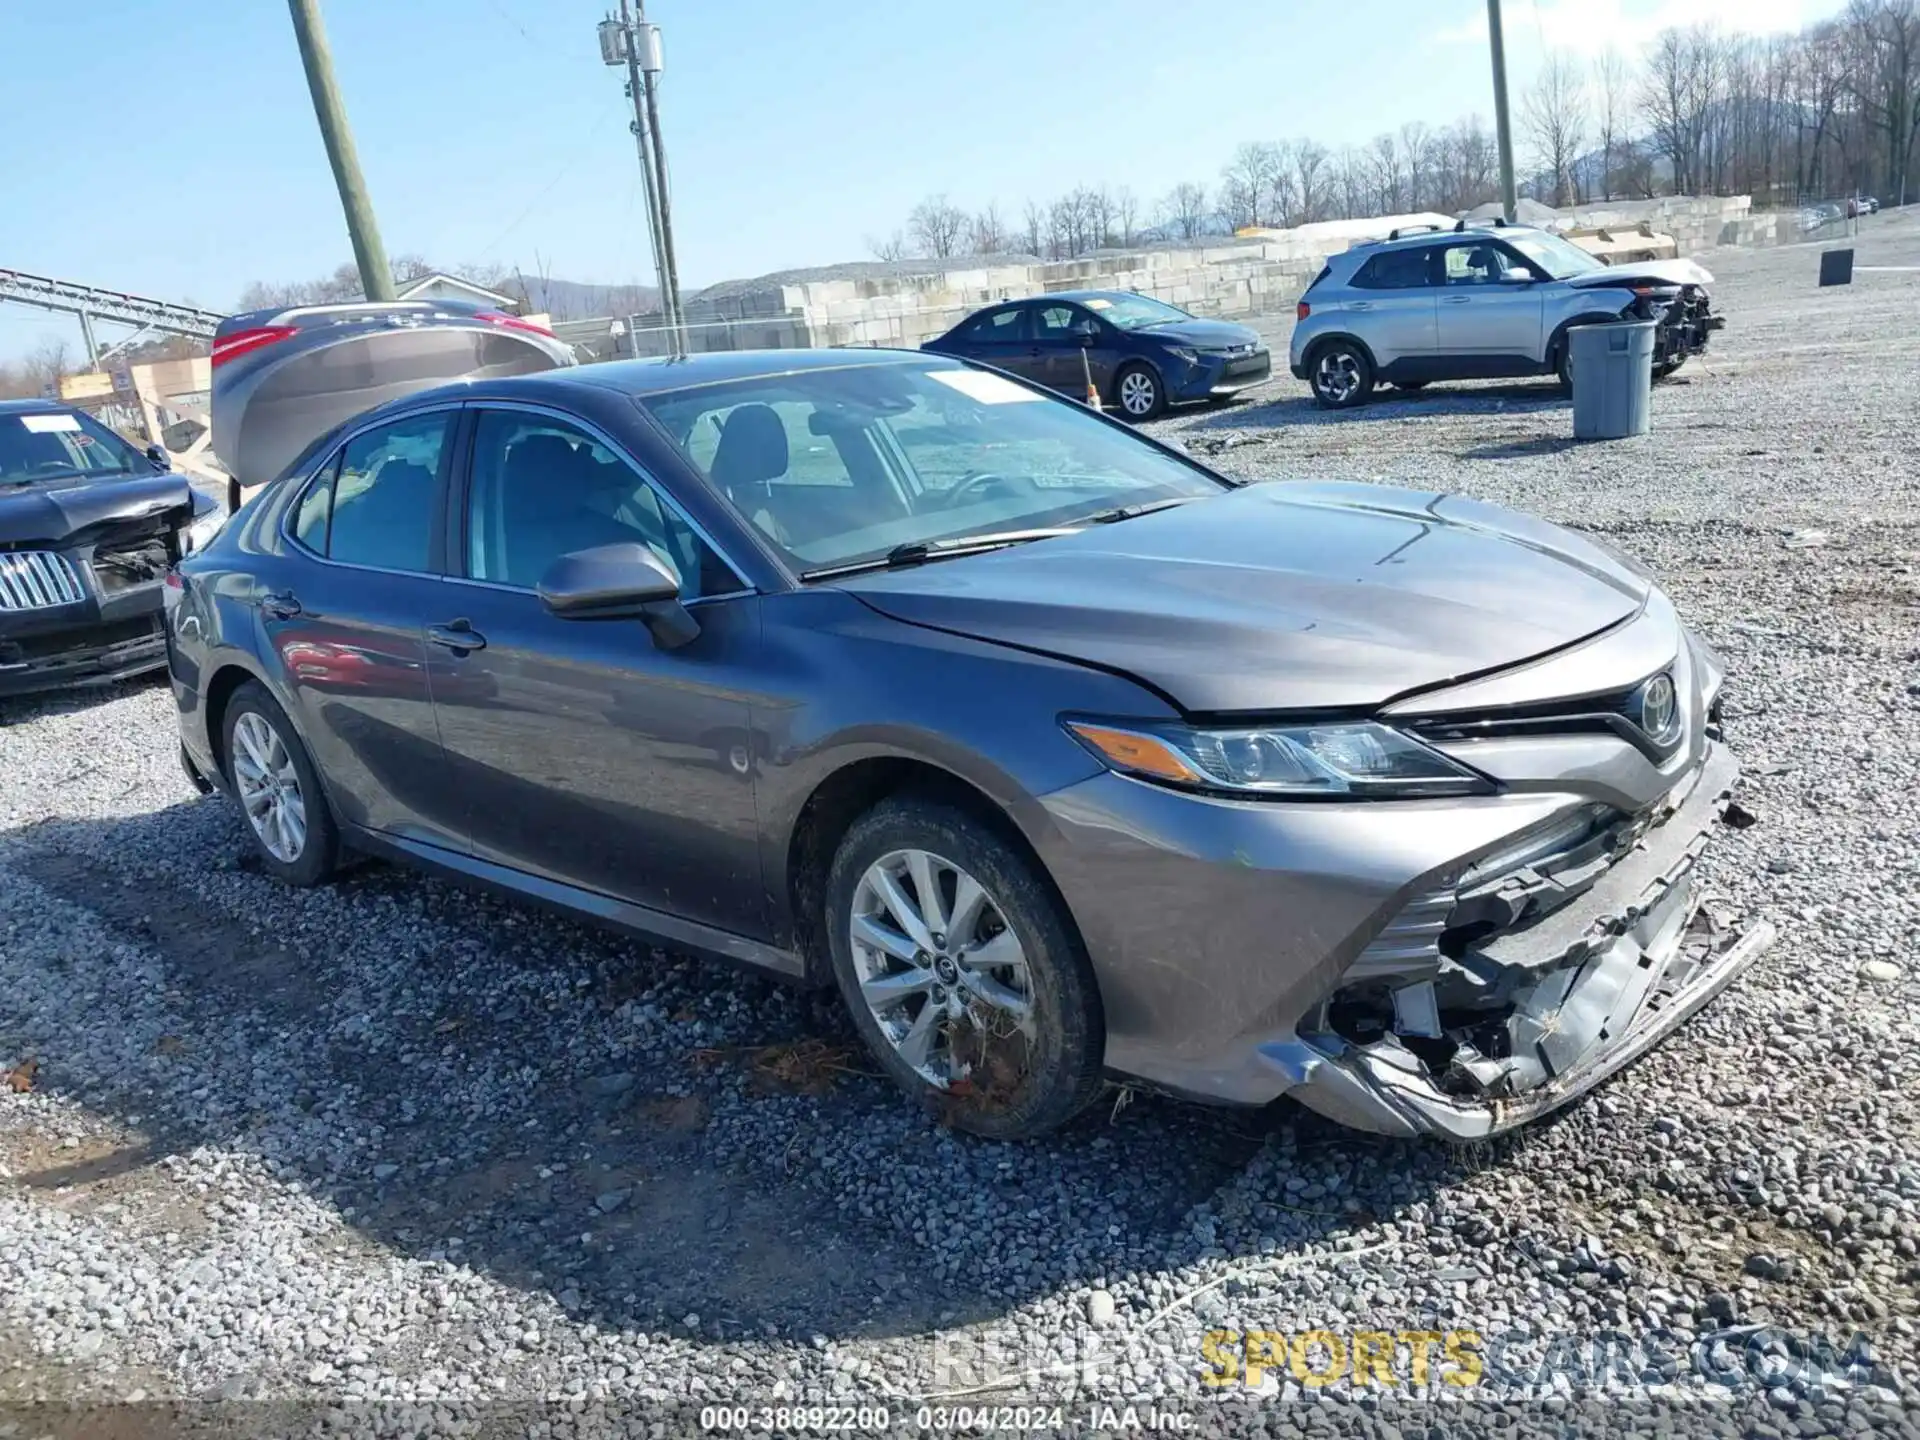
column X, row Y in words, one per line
column 389, row 1142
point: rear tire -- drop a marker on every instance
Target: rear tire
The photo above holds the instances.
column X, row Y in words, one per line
column 270, row 774
column 1137, row 392
column 981, row 1004
column 1341, row 375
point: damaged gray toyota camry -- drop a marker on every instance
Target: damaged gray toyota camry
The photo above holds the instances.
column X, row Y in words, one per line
column 1067, row 759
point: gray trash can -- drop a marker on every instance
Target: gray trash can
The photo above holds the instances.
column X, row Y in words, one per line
column 1612, row 379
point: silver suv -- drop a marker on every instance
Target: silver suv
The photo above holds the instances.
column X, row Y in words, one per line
column 1478, row 303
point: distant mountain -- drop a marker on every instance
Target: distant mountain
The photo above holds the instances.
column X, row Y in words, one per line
column 583, row 300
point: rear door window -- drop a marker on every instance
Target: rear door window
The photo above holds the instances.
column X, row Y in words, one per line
column 1006, row 326
column 386, row 493
column 1395, row 270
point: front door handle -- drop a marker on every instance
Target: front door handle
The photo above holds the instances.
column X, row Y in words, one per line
column 1458, row 299
column 458, row 636
column 1359, row 305
column 283, row 606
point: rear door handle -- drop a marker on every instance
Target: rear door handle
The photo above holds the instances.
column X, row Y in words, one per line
column 283, row 606
column 1458, row 299
column 1359, row 305
column 458, row 636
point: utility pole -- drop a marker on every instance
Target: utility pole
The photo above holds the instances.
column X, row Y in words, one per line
column 376, row 279
column 649, row 61
column 1502, row 123
column 630, row 42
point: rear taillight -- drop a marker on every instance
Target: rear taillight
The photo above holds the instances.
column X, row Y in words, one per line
column 241, row 342
column 513, row 322
column 1302, row 310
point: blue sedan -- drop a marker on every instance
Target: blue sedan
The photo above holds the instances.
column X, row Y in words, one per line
column 1141, row 354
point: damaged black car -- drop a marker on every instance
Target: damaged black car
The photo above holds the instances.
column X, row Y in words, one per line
column 89, row 527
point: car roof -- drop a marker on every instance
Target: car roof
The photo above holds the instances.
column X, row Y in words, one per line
column 1449, row 233
column 33, row 405
column 663, row 374
column 1087, row 295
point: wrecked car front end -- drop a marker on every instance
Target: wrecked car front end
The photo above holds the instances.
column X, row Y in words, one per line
column 1448, row 967
column 84, row 557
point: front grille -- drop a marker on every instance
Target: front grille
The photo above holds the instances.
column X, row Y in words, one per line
column 37, row 580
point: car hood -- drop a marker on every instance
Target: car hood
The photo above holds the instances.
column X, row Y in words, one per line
column 54, row 511
column 1664, row 272
column 1205, row 334
column 1283, row 596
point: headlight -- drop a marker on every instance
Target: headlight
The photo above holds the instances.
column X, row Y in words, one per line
column 200, row 533
column 1184, row 355
column 1361, row 760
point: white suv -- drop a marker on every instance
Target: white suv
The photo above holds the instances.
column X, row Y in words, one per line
column 1478, row 303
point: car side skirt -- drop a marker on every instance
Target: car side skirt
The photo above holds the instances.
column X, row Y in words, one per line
column 1462, row 367
column 655, row 926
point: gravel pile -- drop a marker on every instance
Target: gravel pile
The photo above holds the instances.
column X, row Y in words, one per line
column 389, row 1142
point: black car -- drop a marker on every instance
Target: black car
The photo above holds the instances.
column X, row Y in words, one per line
column 1142, row 354
column 88, row 527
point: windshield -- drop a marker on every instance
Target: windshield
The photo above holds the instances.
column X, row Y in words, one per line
column 1559, row 258
column 842, row 466
column 1133, row 312
column 58, row 445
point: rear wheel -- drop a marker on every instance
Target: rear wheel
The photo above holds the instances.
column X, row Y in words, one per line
column 1138, row 393
column 278, row 790
column 962, row 973
column 1341, row 375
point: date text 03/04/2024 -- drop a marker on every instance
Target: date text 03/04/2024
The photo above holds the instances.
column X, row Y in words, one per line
column 945, row 1419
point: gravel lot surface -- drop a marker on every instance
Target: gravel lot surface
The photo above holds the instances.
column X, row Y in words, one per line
column 391, row 1142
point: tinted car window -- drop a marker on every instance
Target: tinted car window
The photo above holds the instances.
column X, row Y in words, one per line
column 385, row 493
column 1394, row 270
column 998, row 327
column 542, row 489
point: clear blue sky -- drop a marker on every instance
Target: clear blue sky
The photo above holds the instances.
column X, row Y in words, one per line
column 170, row 148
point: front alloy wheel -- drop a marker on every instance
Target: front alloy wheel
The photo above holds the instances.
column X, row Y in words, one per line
column 942, row 975
column 962, row 971
column 1138, row 391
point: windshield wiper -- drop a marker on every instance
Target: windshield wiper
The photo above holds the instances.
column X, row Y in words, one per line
column 1129, row 512
column 918, row 552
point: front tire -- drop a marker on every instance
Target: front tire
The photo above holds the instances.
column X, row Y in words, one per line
column 1138, row 393
column 271, row 775
column 962, row 972
column 1341, row 375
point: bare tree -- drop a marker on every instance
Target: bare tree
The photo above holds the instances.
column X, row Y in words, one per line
column 1610, row 107
column 1033, row 224
column 1246, row 183
column 1310, row 160
column 986, row 232
column 937, row 226
column 1389, row 175
column 1126, row 215
column 1555, row 115
column 1683, row 82
column 1183, row 210
column 890, row 247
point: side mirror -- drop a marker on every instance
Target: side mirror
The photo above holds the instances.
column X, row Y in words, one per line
column 619, row 582
column 1085, row 332
column 1516, row 277
column 159, row 458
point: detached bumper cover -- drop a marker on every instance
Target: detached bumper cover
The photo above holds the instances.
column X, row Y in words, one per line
column 1588, row 988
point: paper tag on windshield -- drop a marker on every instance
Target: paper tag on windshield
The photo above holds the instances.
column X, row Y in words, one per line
column 49, row 424
column 1096, row 303
column 979, row 385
